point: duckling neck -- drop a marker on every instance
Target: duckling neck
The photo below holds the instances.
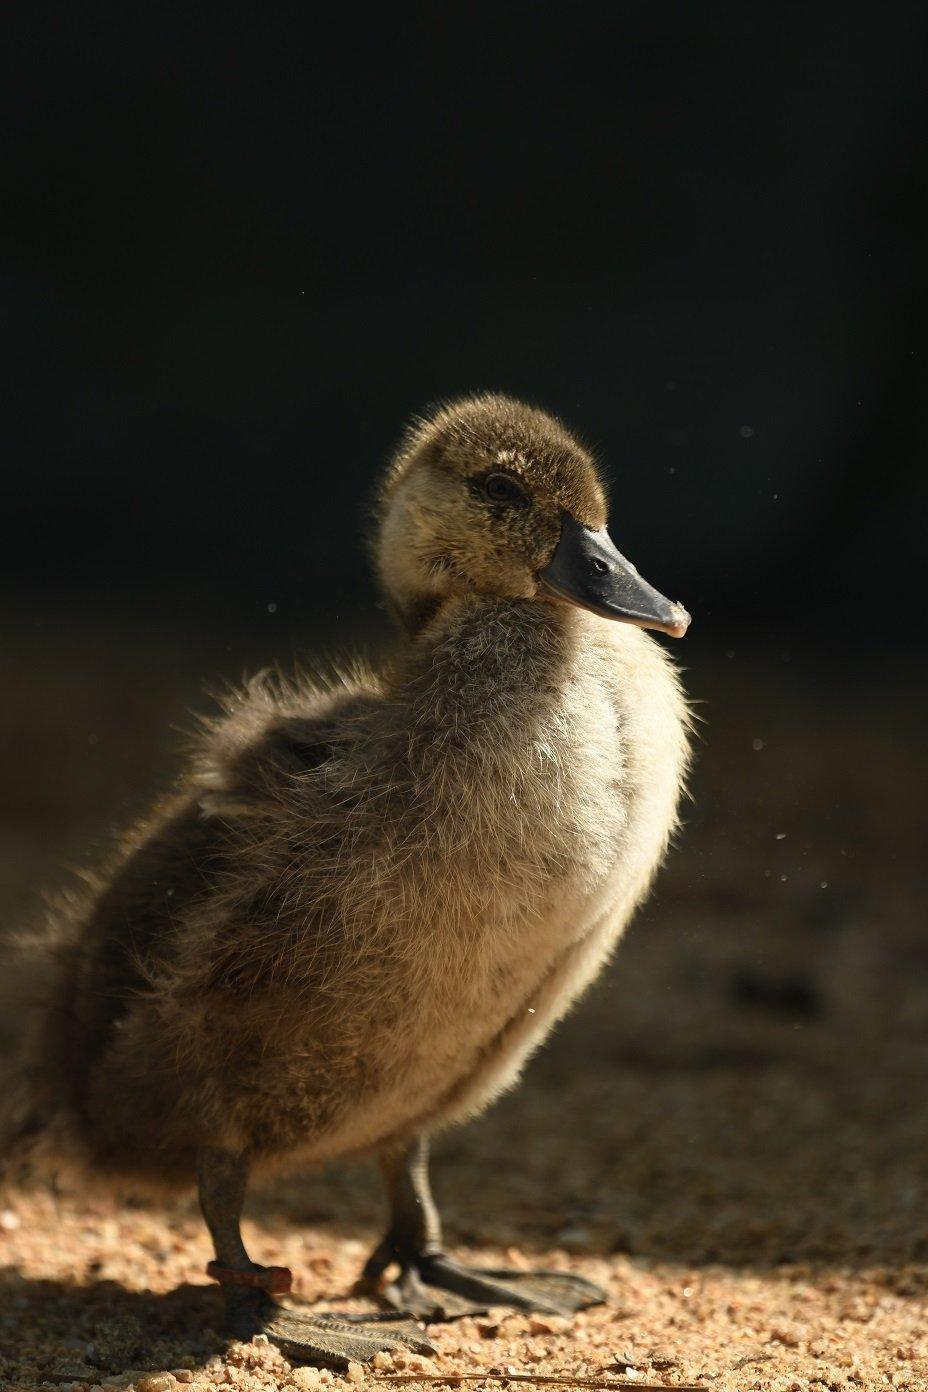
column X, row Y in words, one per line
column 480, row 659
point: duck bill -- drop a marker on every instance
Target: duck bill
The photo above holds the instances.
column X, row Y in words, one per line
column 587, row 570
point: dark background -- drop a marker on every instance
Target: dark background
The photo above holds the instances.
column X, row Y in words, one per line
column 242, row 244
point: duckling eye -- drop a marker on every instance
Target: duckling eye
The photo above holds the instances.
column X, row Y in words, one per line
column 501, row 488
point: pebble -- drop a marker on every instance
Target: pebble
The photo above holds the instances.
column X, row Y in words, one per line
column 306, row 1379
column 548, row 1324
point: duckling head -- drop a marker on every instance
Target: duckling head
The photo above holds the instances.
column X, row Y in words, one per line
column 487, row 495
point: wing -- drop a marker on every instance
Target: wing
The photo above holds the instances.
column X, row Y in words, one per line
column 199, row 882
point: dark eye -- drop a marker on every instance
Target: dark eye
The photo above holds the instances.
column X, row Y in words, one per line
column 500, row 488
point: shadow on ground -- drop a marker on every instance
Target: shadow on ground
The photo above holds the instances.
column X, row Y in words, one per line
column 100, row 1328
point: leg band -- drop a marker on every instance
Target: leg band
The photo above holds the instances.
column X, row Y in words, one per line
column 275, row 1280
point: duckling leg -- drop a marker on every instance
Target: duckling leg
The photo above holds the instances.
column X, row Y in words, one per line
column 249, row 1289
column 433, row 1286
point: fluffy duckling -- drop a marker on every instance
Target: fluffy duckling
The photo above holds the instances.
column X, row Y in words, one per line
column 371, row 898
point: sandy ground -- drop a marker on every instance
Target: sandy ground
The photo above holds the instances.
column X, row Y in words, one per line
column 730, row 1134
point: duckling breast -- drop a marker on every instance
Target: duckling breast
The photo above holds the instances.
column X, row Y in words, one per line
column 628, row 729
column 575, row 814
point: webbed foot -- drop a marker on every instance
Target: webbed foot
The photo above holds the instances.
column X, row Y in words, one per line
column 304, row 1336
column 433, row 1286
column 334, row 1340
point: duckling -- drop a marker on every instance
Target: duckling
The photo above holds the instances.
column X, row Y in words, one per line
column 371, row 897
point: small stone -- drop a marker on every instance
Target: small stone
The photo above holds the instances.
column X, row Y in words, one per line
column 237, row 1355
column 355, row 1372
column 155, row 1382
column 182, row 1375
column 307, row 1379
column 625, row 1360
column 548, row 1324
column 415, row 1363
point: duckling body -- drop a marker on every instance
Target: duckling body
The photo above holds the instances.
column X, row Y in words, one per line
column 371, row 899
column 405, row 1002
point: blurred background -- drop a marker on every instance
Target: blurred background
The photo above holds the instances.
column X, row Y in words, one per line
column 241, row 245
